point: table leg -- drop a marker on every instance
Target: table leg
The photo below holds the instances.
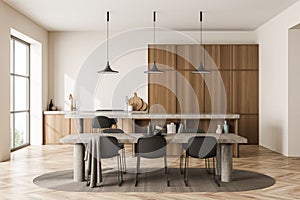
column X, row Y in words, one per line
column 218, row 160
column 226, row 162
column 78, row 162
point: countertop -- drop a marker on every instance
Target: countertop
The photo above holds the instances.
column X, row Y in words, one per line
column 139, row 115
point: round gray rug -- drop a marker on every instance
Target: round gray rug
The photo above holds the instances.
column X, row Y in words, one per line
column 155, row 181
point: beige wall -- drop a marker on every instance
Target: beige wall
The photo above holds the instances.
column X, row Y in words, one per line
column 276, row 130
column 9, row 18
column 69, row 51
column 294, row 92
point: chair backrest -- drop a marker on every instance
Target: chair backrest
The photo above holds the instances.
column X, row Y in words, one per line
column 202, row 147
column 109, row 147
column 192, row 130
column 112, row 130
column 151, row 147
column 103, row 122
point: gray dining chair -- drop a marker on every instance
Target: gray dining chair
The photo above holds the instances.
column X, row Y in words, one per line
column 184, row 147
column 201, row 147
column 121, row 145
column 102, row 122
column 100, row 148
column 151, row 148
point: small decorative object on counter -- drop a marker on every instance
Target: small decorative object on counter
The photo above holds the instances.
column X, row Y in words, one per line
column 126, row 103
column 129, row 108
column 50, row 105
column 150, row 129
column 225, row 127
column 72, row 106
column 137, row 103
column 219, row 129
column 171, row 128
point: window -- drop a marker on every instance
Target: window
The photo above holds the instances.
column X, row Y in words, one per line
column 19, row 93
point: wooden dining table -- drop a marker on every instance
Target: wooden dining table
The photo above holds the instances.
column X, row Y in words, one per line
column 224, row 160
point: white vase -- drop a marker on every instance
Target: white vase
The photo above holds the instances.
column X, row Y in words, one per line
column 219, row 129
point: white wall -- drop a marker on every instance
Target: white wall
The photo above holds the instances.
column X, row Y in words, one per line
column 9, row 18
column 294, row 92
column 275, row 129
column 71, row 53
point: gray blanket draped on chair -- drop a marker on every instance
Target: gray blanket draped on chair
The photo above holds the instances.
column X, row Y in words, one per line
column 92, row 156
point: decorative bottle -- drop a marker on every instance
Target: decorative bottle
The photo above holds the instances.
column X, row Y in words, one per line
column 225, row 127
column 50, row 105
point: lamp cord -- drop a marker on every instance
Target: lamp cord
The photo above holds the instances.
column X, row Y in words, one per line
column 154, row 39
column 107, row 40
column 202, row 53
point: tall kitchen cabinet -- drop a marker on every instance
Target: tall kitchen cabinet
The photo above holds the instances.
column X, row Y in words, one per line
column 231, row 87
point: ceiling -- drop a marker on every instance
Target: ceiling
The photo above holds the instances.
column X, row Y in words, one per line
column 89, row 15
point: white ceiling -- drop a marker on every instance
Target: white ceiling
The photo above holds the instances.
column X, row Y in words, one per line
column 87, row 15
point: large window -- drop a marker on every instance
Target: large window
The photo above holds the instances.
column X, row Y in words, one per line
column 19, row 93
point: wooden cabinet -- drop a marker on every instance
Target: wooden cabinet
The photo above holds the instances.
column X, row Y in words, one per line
column 231, row 87
column 248, row 128
column 162, row 87
column 245, row 92
column 218, row 92
column 245, row 57
column 87, row 126
column 218, row 57
column 56, row 126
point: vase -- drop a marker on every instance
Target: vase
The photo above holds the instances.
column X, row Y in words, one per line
column 219, row 129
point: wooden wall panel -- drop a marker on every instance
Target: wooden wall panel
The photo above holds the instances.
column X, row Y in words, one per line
column 188, row 57
column 245, row 57
column 218, row 57
column 249, row 128
column 237, row 65
column 245, row 92
column 190, row 92
column 218, row 92
column 162, row 87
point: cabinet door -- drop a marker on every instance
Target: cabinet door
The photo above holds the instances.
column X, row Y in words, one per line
column 218, row 92
column 245, row 92
column 248, row 128
column 190, row 87
column 55, row 127
column 245, row 57
column 162, row 87
column 190, row 92
column 87, row 126
column 218, row 57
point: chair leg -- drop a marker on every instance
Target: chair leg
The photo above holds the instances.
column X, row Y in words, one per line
column 137, row 170
column 166, row 170
column 216, row 178
column 186, row 170
column 120, row 176
column 180, row 163
column 124, row 160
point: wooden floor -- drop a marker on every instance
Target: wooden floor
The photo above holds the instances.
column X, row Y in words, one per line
column 16, row 176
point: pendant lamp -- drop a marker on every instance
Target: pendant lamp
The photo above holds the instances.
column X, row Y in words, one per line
column 154, row 69
column 107, row 69
column 201, row 69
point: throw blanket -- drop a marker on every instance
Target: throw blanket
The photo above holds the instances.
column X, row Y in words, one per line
column 92, row 156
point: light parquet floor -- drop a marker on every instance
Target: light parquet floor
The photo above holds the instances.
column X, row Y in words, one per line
column 16, row 176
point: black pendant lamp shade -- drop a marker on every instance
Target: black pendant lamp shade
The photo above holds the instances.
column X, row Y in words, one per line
column 201, row 69
column 107, row 69
column 154, row 69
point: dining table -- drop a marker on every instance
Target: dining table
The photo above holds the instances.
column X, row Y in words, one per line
column 224, row 158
